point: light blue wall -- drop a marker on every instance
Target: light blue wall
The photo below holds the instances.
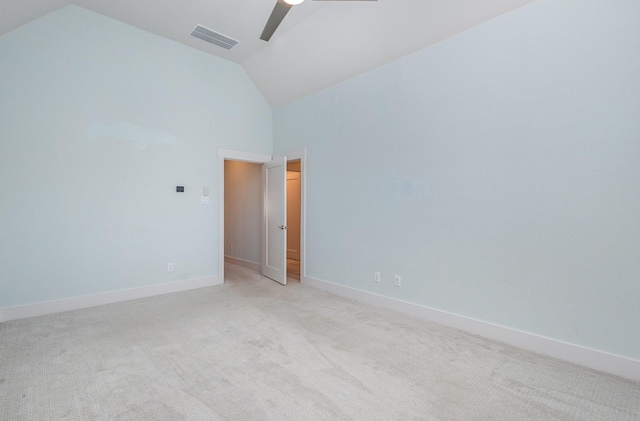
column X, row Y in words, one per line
column 498, row 172
column 99, row 121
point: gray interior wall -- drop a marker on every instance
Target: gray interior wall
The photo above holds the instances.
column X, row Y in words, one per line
column 99, row 123
column 243, row 211
column 498, row 172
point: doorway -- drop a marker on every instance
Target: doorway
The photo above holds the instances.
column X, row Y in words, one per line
column 298, row 162
column 293, row 220
column 243, row 214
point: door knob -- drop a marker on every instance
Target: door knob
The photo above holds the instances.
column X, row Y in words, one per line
column 282, row 227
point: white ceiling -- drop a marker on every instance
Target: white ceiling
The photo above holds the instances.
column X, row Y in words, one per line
column 319, row 43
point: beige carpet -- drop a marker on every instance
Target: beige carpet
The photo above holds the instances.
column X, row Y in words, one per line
column 255, row 350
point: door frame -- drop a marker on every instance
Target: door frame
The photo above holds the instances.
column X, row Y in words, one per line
column 234, row 155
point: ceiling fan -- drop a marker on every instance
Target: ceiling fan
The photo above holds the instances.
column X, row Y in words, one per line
column 280, row 10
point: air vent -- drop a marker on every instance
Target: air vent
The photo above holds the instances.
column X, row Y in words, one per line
column 214, row 37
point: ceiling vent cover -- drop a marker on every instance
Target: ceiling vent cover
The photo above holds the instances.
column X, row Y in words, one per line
column 214, row 37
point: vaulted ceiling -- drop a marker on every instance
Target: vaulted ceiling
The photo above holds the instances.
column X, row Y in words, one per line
column 319, row 43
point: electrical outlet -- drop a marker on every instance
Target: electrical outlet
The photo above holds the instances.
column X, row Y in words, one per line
column 169, row 267
column 397, row 281
column 376, row 277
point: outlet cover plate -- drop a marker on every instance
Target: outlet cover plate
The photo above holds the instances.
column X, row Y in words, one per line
column 397, row 281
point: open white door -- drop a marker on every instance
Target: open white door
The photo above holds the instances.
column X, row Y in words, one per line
column 274, row 227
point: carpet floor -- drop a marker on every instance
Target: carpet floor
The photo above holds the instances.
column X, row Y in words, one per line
column 252, row 349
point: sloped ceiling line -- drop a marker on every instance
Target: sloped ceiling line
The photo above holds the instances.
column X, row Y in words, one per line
column 318, row 45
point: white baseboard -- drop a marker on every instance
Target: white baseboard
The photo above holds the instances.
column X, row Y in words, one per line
column 597, row 360
column 244, row 263
column 76, row 303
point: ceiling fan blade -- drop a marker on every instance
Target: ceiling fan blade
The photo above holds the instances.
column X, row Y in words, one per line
column 279, row 12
